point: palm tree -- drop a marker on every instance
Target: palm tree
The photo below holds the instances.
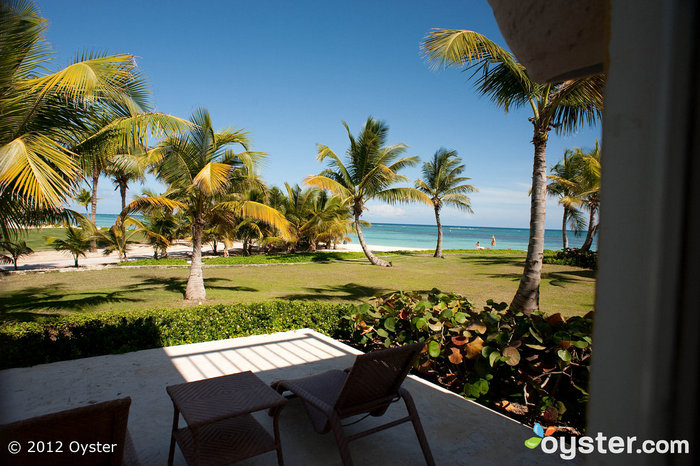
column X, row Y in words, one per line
column 564, row 185
column 76, row 242
column 83, row 198
column 590, row 191
column 370, row 172
column 44, row 115
column 444, row 185
column 563, row 106
column 14, row 251
column 199, row 167
column 124, row 169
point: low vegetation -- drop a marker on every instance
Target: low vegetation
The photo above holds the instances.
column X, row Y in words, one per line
column 482, row 276
column 535, row 367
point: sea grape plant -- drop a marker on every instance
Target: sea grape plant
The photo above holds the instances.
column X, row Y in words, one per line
column 534, row 365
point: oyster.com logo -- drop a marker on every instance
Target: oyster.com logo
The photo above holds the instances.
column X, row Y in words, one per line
column 534, row 442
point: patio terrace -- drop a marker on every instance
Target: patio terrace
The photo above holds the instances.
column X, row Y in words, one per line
column 460, row 432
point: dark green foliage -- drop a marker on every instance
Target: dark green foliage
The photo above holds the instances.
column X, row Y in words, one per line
column 574, row 257
column 535, row 366
column 79, row 336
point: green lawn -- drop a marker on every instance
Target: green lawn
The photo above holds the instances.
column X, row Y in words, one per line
column 565, row 289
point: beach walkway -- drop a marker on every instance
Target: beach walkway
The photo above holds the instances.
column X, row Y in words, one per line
column 460, row 432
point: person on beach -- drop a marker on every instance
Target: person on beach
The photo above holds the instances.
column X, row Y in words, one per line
column 478, row 246
column 493, row 240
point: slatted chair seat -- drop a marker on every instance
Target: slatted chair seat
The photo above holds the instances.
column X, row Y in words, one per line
column 369, row 386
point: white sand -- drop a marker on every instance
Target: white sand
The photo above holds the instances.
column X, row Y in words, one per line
column 93, row 260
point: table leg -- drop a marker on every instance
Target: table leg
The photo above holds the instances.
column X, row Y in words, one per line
column 176, row 419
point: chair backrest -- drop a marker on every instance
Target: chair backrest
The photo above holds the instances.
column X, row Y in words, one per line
column 79, row 428
column 375, row 378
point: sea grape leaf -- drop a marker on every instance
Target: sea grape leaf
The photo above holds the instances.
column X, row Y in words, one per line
column 564, row 355
column 456, row 356
column 512, row 354
column 474, row 348
column 434, row 349
column 390, row 324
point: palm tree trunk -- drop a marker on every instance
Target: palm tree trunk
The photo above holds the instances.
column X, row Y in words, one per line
column 122, row 192
column 438, row 248
column 527, row 298
column 93, row 205
column 591, row 230
column 372, row 258
column 195, row 283
column 75, row 258
column 563, row 229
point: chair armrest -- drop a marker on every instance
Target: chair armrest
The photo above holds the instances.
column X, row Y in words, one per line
column 317, row 403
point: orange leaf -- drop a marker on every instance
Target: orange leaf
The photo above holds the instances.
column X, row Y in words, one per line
column 478, row 327
column 455, row 357
column 474, row 348
column 459, row 340
column 556, row 319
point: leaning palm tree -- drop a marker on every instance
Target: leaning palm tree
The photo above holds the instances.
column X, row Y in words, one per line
column 200, row 167
column 76, row 242
column 564, row 106
column 371, row 169
column 444, row 185
column 564, row 185
column 590, row 187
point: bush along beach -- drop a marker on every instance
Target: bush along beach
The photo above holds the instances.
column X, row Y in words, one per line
column 574, row 257
column 532, row 367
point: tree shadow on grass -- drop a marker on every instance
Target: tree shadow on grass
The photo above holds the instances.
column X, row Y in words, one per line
column 348, row 291
column 18, row 305
column 559, row 279
column 177, row 285
column 515, row 261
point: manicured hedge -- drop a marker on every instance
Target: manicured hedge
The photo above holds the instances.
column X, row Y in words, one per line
column 574, row 257
column 78, row 336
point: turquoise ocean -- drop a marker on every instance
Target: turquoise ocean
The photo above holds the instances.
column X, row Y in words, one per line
column 459, row 237
column 425, row 236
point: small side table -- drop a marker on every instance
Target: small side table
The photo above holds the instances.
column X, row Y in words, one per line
column 220, row 428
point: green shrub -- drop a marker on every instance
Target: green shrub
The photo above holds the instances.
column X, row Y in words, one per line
column 574, row 257
column 79, row 336
column 534, row 365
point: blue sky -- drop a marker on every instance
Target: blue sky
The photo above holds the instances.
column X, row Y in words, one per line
column 290, row 72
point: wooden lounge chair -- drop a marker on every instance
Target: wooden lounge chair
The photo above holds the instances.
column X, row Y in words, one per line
column 55, row 437
column 369, row 386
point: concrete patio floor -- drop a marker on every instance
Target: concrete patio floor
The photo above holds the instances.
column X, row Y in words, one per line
column 460, row 432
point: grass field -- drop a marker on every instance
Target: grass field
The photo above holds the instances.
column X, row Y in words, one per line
column 564, row 289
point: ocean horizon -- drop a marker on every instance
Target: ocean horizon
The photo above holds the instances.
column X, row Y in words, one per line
column 409, row 235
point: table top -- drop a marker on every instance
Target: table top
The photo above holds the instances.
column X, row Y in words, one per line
column 211, row 400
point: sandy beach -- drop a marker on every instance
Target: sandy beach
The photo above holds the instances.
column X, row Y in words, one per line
column 55, row 260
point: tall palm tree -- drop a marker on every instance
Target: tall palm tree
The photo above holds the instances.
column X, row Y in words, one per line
column 444, row 185
column 563, row 106
column 371, row 169
column 565, row 186
column 199, row 166
column 590, row 187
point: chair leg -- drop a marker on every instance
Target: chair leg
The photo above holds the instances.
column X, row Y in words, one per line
column 418, row 427
column 342, row 442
